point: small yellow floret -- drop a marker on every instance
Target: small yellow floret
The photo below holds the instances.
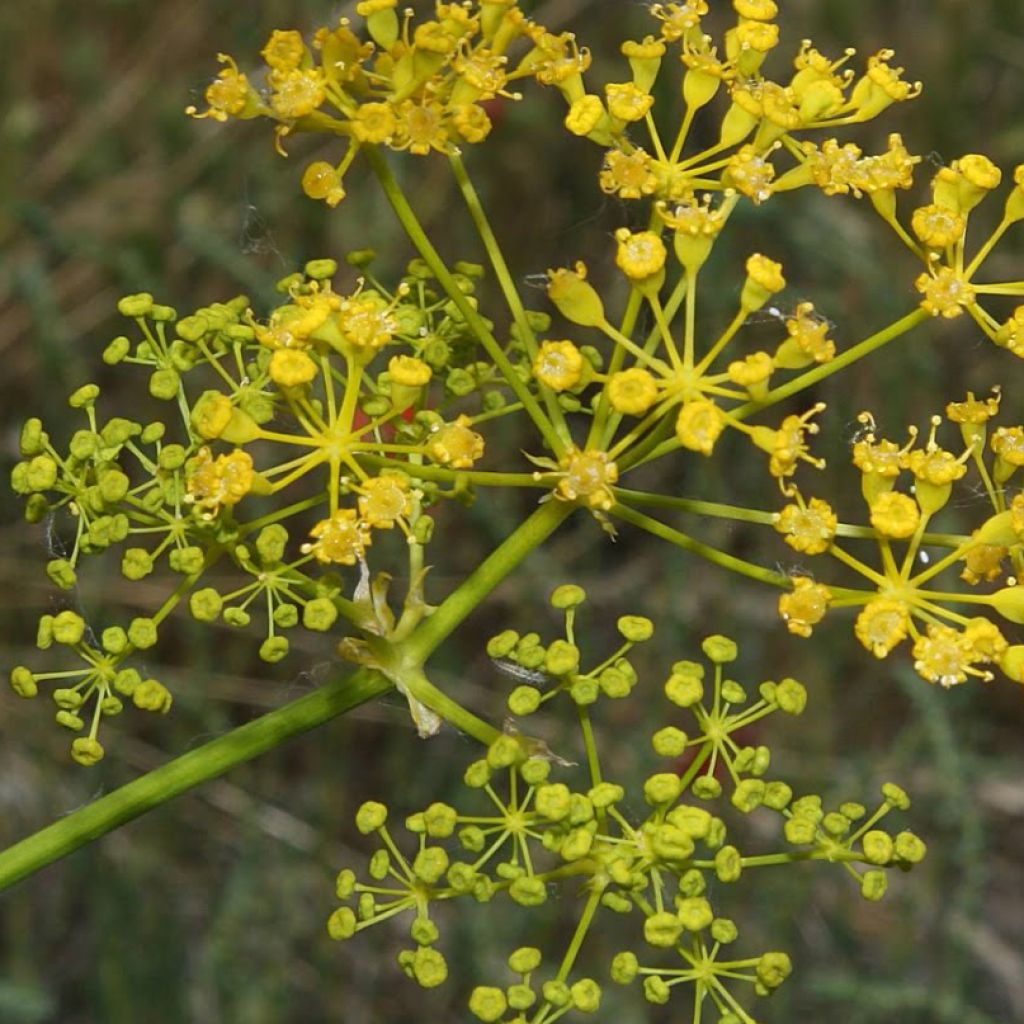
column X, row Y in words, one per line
column 374, row 123
column 409, row 372
column 945, row 292
column 284, row 50
column 291, row 368
column 632, row 391
column 882, row 624
column 341, row 540
column 584, row 115
column 699, row 425
column 808, row 528
column 805, row 606
column 895, row 515
column 937, row 226
column 456, row 445
column 626, row 102
column 559, row 365
column 588, row 477
column 221, row 482
column 764, row 279
column 320, row 180
column 385, row 499
column 641, row 254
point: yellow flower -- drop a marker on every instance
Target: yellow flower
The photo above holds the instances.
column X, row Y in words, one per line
column 588, row 477
column 882, row 624
column 808, row 528
column 284, row 50
column 945, row 292
column 470, row 120
column 973, row 411
column 384, row 499
column 1011, row 334
column 420, row 127
column 764, row 279
column 807, row 340
column 984, row 640
column 367, row 7
column 758, row 36
column 677, row 19
column 559, row 365
column 211, row 415
column 756, row 10
column 880, row 87
column 937, row 226
column 296, row 93
column 936, row 466
column 456, row 445
column 751, row 173
column 1008, row 444
column 216, row 483
column 983, row 562
column 584, row 115
column 374, row 123
column 320, row 180
column 879, row 458
column 895, row 515
column 342, row 539
column 804, row 606
column 632, row 391
column 942, row 656
column 753, row 370
column 366, row 321
column 626, row 102
column 408, row 371
column 641, row 254
column 291, row 368
column 228, row 95
column 627, row 175
column 786, row 446
column 699, row 425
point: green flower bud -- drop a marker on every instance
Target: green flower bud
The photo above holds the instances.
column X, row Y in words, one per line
column 127, row 681
column 614, row 683
column 566, row 596
column 605, row 794
column 584, row 691
column 791, row 696
column 206, row 604
column 440, row 820
column 342, row 924
column 152, row 432
column 171, row 457
column 723, row 930
column 270, row 543
column 380, row 865
column 472, row 838
column 44, row 632
column 286, row 615
column 616, row 902
column 461, row 877
column 188, row 561
column 423, row 529
column 83, row 397
column 423, row 931
column 164, row 384
column 719, row 649
column 150, row 695
column 624, row 968
column 706, row 787
column 762, row 759
column 237, row 617
column 809, row 807
column 41, row 473
column 524, row 960
column 345, row 884
column 800, row 831
column 273, row 649
column 662, row 929
column 873, row 884
column 113, row 486
column 577, row 844
column 671, row 843
column 86, row 751
column 135, row 306
column 556, row 993
column 504, row 752
column 835, row 824
column 773, row 969
column 732, row 692
column 162, row 314
column 33, row 438
column 61, row 573
column 114, row 640
column 535, row 770
column 366, row 908
column 635, row 628
column 896, row 797
column 695, row 913
column 562, row 658
column 909, row 848
column 136, row 563
column 23, row 683
column 321, row 270
column 524, row 700
column 429, row 968
column 777, row 795
column 520, row 997
column 487, row 1003
column 748, row 794
column 685, row 690
column 528, row 892
column 416, row 823
column 142, row 633
column 501, row 646
column 111, row 705
column 853, row 810
column 477, row 775
column 586, row 995
column 662, row 788
column 69, row 720
column 656, row 990
column 692, row 883
column 68, row 627
column 878, row 847
column 68, row 699
column 553, row 801
column 694, row 821
column 319, row 614
column 371, row 816
column 728, row 864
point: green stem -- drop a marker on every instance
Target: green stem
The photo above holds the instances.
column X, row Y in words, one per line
column 532, row 532
column 430, row 255
column 185, row 772
column 756, row 572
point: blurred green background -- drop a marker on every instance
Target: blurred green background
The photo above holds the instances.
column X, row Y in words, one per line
column 212, row 908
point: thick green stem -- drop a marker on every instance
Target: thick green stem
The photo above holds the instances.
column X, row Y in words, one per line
column 186, row 772
column 531, row 533
column 430, row 255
